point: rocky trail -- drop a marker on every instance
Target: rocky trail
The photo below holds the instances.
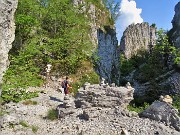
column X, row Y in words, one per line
column 95, row 111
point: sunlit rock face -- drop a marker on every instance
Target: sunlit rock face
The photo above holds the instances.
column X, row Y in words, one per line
column 7, row 32
column 175, row 31
column 137, row 37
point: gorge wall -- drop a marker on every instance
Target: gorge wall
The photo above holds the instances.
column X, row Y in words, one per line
column 109, row 56
column 137, row 37
column 175, row 31
column 104, row 40
column 7, row 32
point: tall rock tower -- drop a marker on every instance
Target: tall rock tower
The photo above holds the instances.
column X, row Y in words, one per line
column 137, row 37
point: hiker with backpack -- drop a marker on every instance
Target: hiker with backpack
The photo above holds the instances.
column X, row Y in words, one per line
column 66, row 86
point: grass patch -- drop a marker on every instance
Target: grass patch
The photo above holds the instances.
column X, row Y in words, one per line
column 52, row 114
column 11, row 126
column 23, row 123
column 30, row 102
column 2, row 112
column 34, row 128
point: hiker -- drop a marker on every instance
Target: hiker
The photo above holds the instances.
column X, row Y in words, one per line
column 66, row 86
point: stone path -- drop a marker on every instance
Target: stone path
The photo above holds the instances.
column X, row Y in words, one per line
column 89, row 121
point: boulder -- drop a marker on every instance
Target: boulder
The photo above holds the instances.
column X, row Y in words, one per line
column 100, row 96
column 164, row 112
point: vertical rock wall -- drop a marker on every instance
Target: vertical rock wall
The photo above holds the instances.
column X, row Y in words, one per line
column 137, row 37
column 108, row 55
column 7, row 32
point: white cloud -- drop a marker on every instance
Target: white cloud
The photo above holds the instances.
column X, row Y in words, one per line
column 129, row 14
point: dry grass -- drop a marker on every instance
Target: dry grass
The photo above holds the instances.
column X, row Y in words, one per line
column 30, row 102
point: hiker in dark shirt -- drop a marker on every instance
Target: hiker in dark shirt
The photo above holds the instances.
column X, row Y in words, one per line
column 66, row 86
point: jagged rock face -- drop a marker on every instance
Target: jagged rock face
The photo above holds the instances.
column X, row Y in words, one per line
column 161, row 111
column 174, row 82
column 137, row 37
column 7, row 29
column 104, row 41
column 175, row 31
column 108, row 56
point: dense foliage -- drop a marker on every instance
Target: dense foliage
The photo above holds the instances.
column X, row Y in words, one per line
column 52, row 31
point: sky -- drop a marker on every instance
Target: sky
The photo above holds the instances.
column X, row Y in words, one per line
column 160, row 12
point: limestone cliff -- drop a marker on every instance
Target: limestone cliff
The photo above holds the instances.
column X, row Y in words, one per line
column 103, row 38
column 108, row 53
column 7, row 29
column 175, row 31
column 137, row 37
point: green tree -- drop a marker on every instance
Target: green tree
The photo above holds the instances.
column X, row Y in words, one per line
column 164, row 47
column 113, row 8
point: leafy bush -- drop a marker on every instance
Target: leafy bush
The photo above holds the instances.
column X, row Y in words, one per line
column 17, row 95
column 138, row 109
column 128, row 65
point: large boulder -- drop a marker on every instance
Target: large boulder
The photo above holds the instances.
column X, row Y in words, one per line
column 164, row 112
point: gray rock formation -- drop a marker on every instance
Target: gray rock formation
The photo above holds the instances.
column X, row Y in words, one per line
column 108, row 56
column 7, row 29
column 174, row 82
column 104, row 96
column 175, row 31
column 164, row 112
column 137, row 37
